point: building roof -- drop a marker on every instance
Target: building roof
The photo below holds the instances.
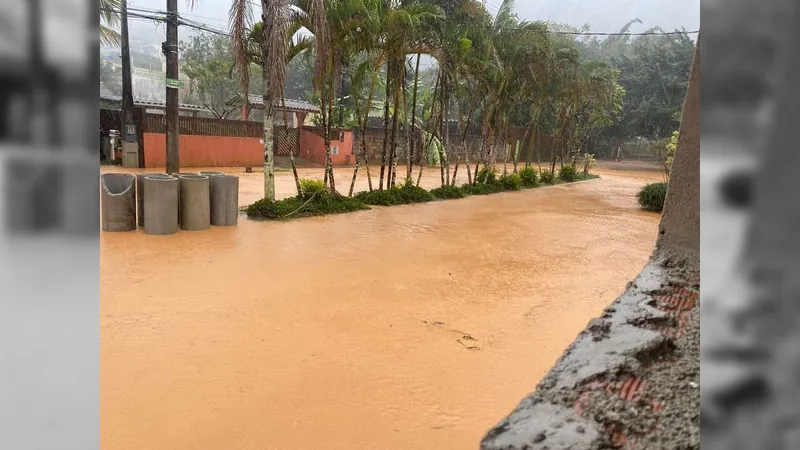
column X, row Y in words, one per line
column 105, row 94
column 292, row 105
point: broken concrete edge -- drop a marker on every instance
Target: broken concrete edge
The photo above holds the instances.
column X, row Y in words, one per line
column 625, row 340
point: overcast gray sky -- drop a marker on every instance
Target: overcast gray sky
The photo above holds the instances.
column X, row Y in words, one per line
column 601, row 15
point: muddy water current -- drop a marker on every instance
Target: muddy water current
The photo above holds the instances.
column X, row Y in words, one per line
column 411, row 327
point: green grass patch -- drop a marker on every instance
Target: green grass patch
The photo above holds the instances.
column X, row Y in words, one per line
column 487, row 175
column 652, row 196
column 547, row 177
column 482, row 189
column 528, row 177
column 310, row 187
column 398, row 195
column 295, row 207
column 510, row 182
column 316, row 201
column 448, row 192
column 568, row 174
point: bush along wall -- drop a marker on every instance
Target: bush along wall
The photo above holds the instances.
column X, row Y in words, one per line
column 652, row 196
column 315, row 200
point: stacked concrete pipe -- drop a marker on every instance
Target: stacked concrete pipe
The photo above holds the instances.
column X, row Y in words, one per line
column 140, row 193
column 161, row 204
column 195, row 208
column 118, row 202
column 224, row 200
column 179, row 175
column 210, row 175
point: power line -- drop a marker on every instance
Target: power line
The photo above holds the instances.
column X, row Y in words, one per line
column 646, row 33
column 160, row 16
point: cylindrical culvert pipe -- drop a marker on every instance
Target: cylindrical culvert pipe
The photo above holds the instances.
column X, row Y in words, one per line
column 179, row 175
column 195, row 204
column 161, row 205
column 140, row 193
column 224, row 200
column 211, row 174
column 118, row 201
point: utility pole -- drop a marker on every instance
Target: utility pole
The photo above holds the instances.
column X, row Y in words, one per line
column 128, row 128
column 173, row 158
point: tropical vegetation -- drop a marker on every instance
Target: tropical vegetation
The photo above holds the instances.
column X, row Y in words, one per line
column 492, row 73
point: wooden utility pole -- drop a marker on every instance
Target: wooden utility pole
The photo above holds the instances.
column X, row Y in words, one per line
column 173, row 159
column 128, row 130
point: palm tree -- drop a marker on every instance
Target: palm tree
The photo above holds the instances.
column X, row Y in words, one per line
column 274, row 51
column 109, row 18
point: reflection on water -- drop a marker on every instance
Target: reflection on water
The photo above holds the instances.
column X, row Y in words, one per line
column 405, row 327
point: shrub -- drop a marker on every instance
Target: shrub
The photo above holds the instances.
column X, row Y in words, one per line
column 414, row 194
column 510, row 182
column 568, row 173
column 487, row 175
column 310, row 187
column 528, row 177
column 546, row 177
column 481, row 189
column 321, row 205
column 446, row 192
column 398, row 195
column 652, row 196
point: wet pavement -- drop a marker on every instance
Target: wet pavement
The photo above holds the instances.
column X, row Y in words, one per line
column 415, row 326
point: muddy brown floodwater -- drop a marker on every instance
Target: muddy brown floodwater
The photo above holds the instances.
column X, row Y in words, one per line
column 411, row 327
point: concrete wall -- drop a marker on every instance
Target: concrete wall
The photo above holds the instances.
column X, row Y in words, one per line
column 230, row 151
column 312, row 146
column 205, row 151
column 680, row 222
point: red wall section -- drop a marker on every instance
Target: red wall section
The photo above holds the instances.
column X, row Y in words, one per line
column 205, row 151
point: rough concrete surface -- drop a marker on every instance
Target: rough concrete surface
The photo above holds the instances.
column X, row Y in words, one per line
column 140, row 194
column 118, row 202
column 631, row 379
column 680, row 223
column 195, row 208
column 224, row 200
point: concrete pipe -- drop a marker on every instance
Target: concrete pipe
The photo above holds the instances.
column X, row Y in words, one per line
column 140, row 193
column 179, row 175
column 195, row 208
column 161, row 205
column 211, row 174
column 224, row 200
column 119, row 202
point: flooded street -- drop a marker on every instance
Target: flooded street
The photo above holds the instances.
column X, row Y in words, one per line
column 410, row 327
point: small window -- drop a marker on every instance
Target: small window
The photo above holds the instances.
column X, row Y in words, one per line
column 335, row 150
column 341, row 136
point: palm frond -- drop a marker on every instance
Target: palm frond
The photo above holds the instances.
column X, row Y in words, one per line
column 240, row 17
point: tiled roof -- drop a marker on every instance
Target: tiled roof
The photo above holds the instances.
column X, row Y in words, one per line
column 291, row 104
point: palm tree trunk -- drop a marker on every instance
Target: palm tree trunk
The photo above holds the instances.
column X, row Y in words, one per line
column 446, row 130
column 440, row 147
column 413, row 119
column 385, row 126
column 360, row 153
column 393, row 142
column 269, row 144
